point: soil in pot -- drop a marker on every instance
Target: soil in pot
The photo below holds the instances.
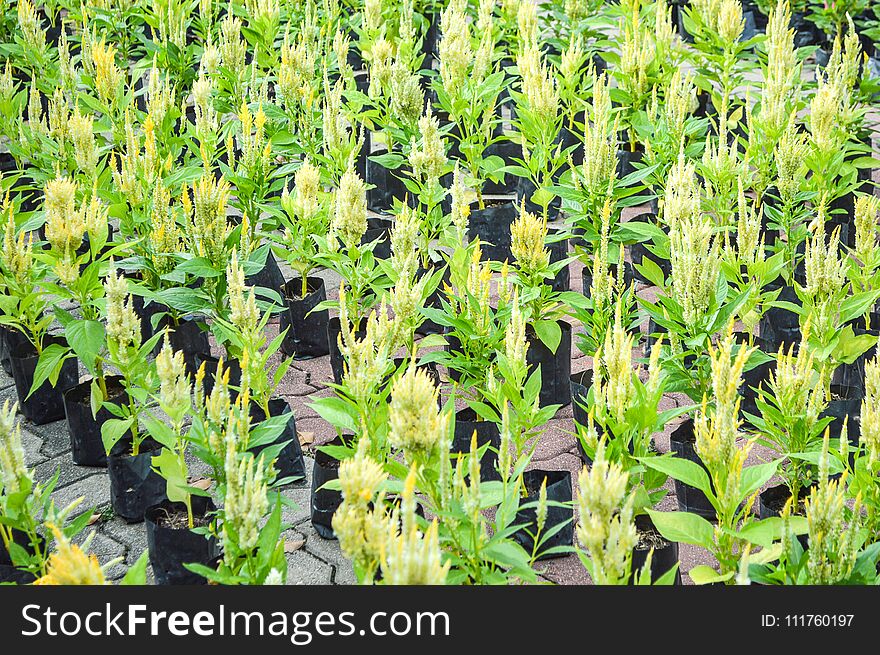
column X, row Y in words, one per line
column 690, row 499
column 325, row 502
column 466, row 424
column 491, row 226
column 290, row 463
column 171, row 543
column 306, row 335
column 86, row 444
column 665, row 552
column 555, row 367
column 191, row 340
column 134, row 485
column 558, row 490
column 46, row 404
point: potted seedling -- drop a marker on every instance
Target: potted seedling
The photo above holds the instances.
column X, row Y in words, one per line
column 242, row 331
column 304, row 216
column 134, row 485
column 549, row 335
column 26, row 508
column 172, row 538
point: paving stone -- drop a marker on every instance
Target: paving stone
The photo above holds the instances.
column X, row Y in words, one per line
column 132, row 535
column 55, row 437
column 95, row 491
column 68, row 472
column 344, row 574
column 106, row 550
column 326, row 550
column 305, row 569
column 32, row 445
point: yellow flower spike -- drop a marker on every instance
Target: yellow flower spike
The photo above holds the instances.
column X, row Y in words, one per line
column 69, row 565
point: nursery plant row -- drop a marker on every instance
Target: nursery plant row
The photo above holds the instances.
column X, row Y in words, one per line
column 707, row 165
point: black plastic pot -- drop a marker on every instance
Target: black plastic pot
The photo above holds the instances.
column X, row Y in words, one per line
column 580, row 384
column 652, row 335
column 627, row 160
column 629, row 277
column 428, row 367
column 86, row 444
column 639, row 252
column 268, row 277
column 8, row 572
column 558, row 490
column 10, row 340
column 306, row 329
column 525, row 189
column 211, row 363
column 555, row 367
column 172, row 547
column 334, row 332
column 845, row 406
column 145, row 312
column 386, row 187
column 191, row 340
column 46, row 404
column 754, row 378
column 290, row 461
column 466, row 424
column 558, row 252
column 690, row 499
column 379, row 231
column 779, row 326
column 772, row 501
column 853, row 375
column 325, row 502
column 433, row 301
column 134, row 485
column 492, row 226
column 664, row 557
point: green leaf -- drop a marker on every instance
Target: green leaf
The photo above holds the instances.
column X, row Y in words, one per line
column 113, row 430
column 682, row 470
column 336, row 412
column 86, row 338
column 703, row 574
column 684, row 527
column 175, row 473
column 549, row 333
column 137, row 574
column 754, row 477
column 49, row 365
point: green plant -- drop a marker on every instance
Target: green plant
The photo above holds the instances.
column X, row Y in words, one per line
column 606, row 529
column 26, row 506
column 840, row 551
column 730, row 486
